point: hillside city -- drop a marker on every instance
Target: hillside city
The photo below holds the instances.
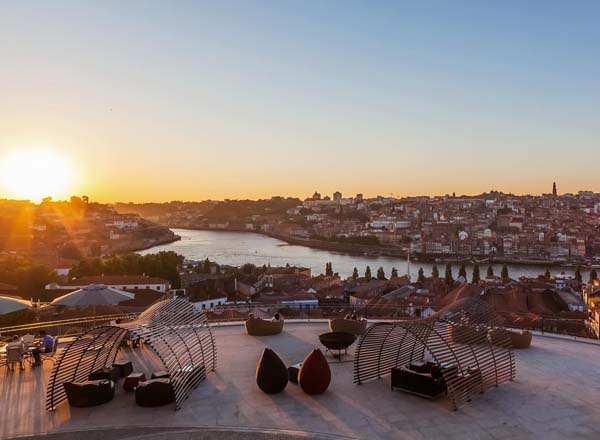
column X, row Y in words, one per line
column 55, row 248
column 493, row 226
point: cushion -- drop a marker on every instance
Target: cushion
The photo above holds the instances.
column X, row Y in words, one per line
column 314, row 376
column 271, row 372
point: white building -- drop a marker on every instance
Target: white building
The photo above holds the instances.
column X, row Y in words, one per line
column 121, row 282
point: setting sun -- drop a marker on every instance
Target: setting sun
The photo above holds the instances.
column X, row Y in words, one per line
column 34, row 174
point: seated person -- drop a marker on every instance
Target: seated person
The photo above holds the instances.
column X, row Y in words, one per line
column 347, row 316
column 354, row 317
column 46, row 347
column 276, row 317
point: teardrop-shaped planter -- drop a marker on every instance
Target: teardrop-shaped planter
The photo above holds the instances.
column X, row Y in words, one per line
column 314, row 376
column 271, row 373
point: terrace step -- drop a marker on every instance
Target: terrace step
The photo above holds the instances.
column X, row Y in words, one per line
column 231, row 433
column 184, row 433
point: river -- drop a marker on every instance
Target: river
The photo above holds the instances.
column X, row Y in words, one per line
column 238, row 248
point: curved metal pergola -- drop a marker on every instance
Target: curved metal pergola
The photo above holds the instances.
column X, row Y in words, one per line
column 173, row 328
column 462, row 335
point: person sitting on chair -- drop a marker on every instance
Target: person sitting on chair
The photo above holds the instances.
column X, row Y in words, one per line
column 276, row 317
column 46, row 347
column 17, row 344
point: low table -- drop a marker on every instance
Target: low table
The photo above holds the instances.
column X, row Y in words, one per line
column 293, row 372
column 132, row 381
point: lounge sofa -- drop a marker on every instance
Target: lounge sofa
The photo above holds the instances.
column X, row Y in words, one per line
column 423, row 379
column 262, row 327
column 517, row 339
column 89, row 393
column 356, row 327
column 106, row 373
column 155, row 392
column 520, row 339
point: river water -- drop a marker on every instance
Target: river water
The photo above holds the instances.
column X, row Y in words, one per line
column 238, row 248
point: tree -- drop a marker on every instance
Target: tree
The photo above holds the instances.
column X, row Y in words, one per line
column 71, row 251
column 547, row 274
column 504, row 272
column 29, row 278
column 462, row 272
column 475, row 278
column 163, row 265
column 421, row 277
column 593, row 275
column 435, row 273
column 328, row 269
column 394, row 273
column 368, row 273
column 448, row 277
column 578, row 276
column 355, row 274
column 380, row 274
column 490, row 271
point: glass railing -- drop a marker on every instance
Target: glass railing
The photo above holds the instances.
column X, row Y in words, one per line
column 241, row 312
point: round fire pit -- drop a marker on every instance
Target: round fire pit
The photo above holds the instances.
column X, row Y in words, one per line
column 337, row 341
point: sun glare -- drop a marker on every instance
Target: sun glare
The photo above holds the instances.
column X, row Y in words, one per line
column 34, row 174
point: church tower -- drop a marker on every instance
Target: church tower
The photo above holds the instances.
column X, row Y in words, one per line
column 554, row 189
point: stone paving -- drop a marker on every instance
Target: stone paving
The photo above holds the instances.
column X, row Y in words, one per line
column 556, row 395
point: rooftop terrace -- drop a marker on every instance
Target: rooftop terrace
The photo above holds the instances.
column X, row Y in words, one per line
column 556, row 394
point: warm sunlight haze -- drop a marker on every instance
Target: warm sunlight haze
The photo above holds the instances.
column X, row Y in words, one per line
column 35, row 173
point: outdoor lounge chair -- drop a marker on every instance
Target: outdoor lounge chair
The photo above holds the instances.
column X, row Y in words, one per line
column 125, row 367
column 89, row 393
column 520, row 339
column 155, row 392
column 417, row 380
column 112, row 373
column 517, row 339
column 262, row 327
column 342, row 325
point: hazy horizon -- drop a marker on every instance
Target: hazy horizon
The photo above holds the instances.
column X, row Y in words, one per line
column 148, row 101
column 300, row 197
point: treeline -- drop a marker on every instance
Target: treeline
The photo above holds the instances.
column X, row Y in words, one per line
column 234, row 210
column 163, row 265
column 30, row 278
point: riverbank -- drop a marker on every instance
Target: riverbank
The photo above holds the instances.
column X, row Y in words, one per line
column 142, row 246
column 355, row 249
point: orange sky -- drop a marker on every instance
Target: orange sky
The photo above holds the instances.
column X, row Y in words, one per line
column 199, row 102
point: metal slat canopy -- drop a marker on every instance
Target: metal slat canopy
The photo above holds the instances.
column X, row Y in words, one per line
column 178, row 333
column 462, row 335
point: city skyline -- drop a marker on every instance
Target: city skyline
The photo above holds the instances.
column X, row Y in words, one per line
column 252, row 99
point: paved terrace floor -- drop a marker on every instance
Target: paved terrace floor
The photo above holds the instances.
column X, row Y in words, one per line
column 556, row 395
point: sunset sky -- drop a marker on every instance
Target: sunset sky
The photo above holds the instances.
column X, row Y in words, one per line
column 155, row 101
